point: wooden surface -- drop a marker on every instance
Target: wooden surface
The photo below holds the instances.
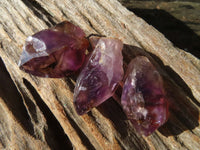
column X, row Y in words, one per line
column 178, row 20
column 38, row 113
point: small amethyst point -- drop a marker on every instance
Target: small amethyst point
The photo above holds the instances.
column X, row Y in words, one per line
column 54, row 52
column 100, row 76
column 143, row 97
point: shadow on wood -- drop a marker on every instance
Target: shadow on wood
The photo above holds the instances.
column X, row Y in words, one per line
column 54, row 134
column 40, row 12
column 14, row 101
column 174, row 30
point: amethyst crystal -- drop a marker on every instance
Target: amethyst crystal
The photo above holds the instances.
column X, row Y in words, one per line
column 143, row 97
column 100, row 76
column 54, row 52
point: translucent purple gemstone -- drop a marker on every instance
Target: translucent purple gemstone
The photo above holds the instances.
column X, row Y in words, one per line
column 100, row 76
column 54, row 52
column 143, row 97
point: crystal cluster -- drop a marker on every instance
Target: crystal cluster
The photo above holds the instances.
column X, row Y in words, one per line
column 101, row 74
column 61, row 50
column 143, row 97
column 54, row 52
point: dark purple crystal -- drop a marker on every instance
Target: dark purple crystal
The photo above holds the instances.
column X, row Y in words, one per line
column 54, row 52
column 143, row 97
column 100, row 76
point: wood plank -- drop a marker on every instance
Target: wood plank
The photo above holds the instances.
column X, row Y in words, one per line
column 38, row 112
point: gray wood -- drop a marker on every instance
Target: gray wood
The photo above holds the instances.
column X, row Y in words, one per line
column 38, row 113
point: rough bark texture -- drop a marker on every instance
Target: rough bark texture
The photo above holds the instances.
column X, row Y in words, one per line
column 38, row 113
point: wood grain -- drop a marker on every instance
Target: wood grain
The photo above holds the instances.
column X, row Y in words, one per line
column 38, row 113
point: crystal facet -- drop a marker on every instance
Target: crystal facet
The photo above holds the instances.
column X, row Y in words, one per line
column 143, row 97
column 100, row 76
column 54, row 52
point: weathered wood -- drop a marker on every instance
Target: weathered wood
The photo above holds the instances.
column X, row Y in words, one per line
column 38, row 113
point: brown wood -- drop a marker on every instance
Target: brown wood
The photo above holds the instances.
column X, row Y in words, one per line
column 38, row 113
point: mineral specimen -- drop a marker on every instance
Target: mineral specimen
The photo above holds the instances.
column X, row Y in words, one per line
column 100, row 76
column 143, row 97
column 54, row 52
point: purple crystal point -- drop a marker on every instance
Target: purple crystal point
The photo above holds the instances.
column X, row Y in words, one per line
column 54, row 52
column 143, row 97
column 100, row 76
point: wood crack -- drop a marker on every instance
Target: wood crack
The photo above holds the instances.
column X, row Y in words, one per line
column 58, row 138
column 13, row 99
column 40, row 12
